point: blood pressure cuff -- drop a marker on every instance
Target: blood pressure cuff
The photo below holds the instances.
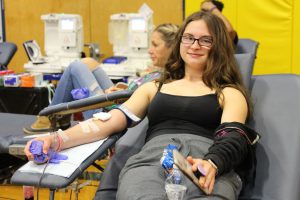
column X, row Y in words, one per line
column 234, row 149
column 131, row 117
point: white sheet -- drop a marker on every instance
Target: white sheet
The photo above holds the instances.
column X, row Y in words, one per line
column 65, row 168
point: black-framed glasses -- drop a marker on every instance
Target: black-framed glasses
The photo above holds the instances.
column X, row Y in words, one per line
column 205, row 41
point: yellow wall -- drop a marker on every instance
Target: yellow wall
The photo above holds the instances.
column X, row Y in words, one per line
column 23, row 19
column 274, row 24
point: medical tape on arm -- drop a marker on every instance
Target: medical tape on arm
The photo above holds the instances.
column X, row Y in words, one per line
column 89, row 126
column 63, row 135
column 93, row 126
column 131, row 117
column 60, row 137
column 84, row 127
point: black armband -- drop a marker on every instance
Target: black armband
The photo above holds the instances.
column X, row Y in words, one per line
column 130, row 117
column 234, row 143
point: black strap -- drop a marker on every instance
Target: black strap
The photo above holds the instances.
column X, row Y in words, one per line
column 234, row 148
column 251, row 135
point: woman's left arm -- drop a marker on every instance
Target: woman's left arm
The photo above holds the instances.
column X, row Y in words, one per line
column 234, row 105
column 231, row 148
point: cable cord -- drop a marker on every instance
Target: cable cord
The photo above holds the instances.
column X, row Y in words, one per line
column 43, row 173
column 50, row 92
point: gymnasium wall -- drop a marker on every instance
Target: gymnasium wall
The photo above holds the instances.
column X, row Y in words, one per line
column 23, row 20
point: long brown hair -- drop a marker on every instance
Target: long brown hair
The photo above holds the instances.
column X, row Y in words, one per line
column 221, row 70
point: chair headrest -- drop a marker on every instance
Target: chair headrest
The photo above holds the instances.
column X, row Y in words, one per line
column 7, row 51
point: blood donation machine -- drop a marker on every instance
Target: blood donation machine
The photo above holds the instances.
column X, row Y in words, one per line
column 63, row 44
column 129, row 34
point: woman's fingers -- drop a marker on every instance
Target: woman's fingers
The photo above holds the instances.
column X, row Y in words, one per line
column 112, row 89
column 207, row 181
column 27, row 152
column 209, row 178
column 47, row 141
column 46, row 146
column 202, row 181
column 194, row 162
column 211, row 186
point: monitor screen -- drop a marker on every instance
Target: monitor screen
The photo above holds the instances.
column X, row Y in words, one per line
column 138, row 24
column 67, row 24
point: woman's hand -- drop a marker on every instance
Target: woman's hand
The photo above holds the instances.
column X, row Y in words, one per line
column 118, row 87
column 111, row 89
column 208, row 180
column 48, row 142
column 207, row 5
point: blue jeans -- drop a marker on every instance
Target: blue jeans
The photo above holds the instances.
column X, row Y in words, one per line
column 78, row 75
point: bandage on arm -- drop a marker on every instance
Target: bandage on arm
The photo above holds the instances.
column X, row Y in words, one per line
column 97, row 129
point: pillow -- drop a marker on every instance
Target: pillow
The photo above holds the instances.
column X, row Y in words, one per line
column 245, row 63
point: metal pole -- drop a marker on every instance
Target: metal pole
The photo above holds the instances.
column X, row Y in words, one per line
column 2, row 22
column 52, row 193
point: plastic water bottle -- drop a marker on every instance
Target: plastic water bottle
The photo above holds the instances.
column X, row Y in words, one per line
column 177, row 176
column 175, row 190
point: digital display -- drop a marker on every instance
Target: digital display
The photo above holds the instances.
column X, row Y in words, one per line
column 138, row 24
column 67, row 24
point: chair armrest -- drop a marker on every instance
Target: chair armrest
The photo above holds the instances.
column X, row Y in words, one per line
column 54, row 181
column 89, row 103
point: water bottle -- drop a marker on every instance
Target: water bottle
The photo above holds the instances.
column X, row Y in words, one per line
column 177, row 176
column 175, row 190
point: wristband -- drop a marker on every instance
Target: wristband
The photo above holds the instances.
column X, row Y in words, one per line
column 212, row 9
column 213, row 164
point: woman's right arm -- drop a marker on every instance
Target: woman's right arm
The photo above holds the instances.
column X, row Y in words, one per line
column 93, row 129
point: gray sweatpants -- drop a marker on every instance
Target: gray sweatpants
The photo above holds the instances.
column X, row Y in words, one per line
column 144, row 178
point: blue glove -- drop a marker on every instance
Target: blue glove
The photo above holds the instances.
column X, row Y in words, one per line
column 80, row 93
column 36, row 148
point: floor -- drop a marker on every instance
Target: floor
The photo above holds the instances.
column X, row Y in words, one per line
column 11, row 192
column 89, row 181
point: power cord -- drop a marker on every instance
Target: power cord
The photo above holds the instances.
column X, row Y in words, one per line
column 50, row 88
column 50, row 92
column 43, row 173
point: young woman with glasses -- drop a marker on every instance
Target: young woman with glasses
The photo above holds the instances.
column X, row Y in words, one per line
column 199, row 105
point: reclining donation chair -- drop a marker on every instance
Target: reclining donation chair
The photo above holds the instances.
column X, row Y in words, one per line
column 246, row 45
column 276, row 109
column 275, row 117
column 7, row 51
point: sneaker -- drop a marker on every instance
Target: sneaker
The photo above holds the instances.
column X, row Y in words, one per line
column 43, row 124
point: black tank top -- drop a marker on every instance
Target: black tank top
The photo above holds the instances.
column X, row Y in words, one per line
column 199, row 115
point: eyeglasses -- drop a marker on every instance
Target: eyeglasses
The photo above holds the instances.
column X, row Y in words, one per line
column 205, row 41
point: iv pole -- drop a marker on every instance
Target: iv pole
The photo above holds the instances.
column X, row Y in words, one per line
column 2, row 22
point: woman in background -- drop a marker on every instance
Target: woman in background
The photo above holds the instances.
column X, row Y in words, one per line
column 88, row 74
column 216, row 8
